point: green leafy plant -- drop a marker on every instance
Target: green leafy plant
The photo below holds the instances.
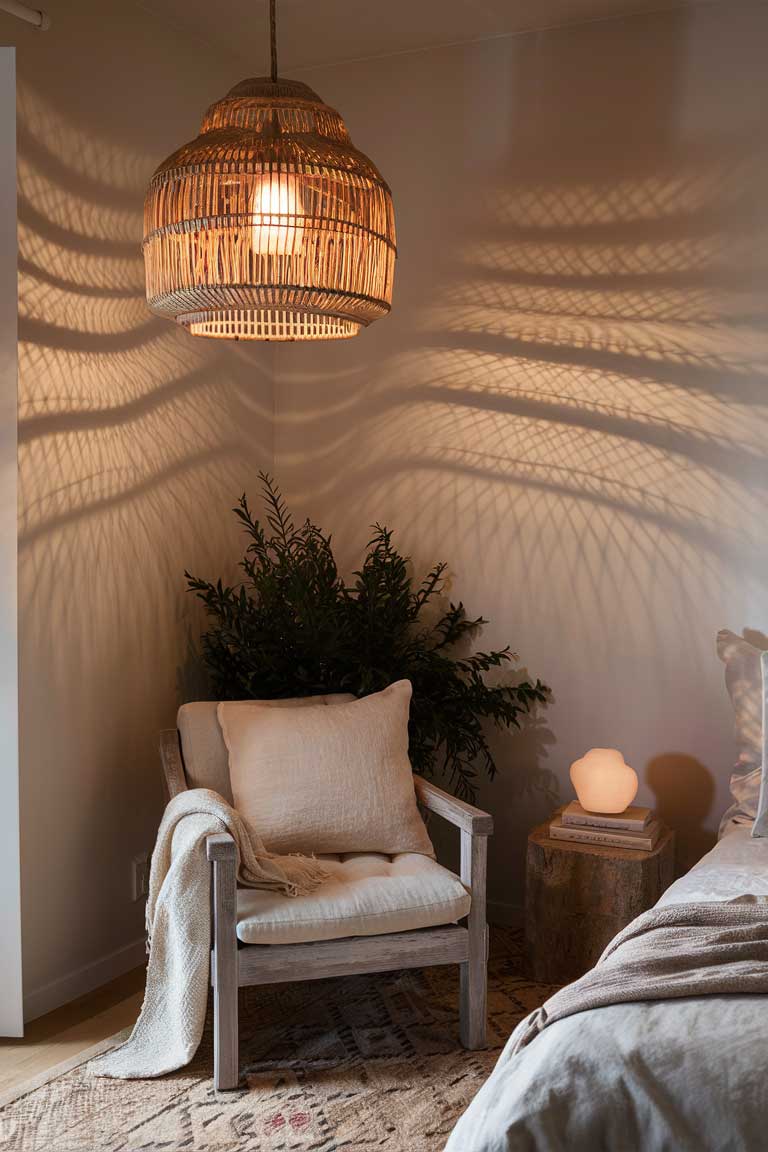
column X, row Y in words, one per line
column 293, row 627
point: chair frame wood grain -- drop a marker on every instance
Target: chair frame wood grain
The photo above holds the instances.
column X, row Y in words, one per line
column 235, row 965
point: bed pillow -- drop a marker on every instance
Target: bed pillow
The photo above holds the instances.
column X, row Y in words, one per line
column 760, row 826
column 746, row 678
column 326, row 779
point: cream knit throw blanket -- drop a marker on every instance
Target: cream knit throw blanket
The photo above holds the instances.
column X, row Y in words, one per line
column 698, row 949
column 168, row 1031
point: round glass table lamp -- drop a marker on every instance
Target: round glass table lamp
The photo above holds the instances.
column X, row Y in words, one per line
column 604, row 782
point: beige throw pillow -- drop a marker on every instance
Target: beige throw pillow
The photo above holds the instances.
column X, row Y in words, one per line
column 746, row 677
column 326, row 779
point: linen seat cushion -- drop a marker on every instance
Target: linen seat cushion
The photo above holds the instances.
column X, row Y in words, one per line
column 368, row 894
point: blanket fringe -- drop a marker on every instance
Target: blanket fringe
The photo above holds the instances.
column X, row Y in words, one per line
column 304, row 873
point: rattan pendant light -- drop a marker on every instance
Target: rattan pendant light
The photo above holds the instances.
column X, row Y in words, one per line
column 269, row 225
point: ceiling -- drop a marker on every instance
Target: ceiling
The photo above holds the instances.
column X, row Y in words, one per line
column 319, row 32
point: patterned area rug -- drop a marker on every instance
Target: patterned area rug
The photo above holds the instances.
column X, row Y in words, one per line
column 365, row 1062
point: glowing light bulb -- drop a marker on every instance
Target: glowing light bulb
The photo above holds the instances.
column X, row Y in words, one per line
column 277, row 225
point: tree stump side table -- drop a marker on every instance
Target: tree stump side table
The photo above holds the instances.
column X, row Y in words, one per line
column 578, row 896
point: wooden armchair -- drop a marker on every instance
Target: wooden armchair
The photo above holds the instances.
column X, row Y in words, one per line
column 195, row 756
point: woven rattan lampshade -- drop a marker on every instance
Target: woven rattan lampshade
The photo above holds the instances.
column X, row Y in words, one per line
column 269, row 225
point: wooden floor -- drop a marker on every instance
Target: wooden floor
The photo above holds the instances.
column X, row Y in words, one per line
column 70, row 1030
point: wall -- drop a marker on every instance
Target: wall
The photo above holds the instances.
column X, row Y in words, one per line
column 568, row 402
column 135, row 440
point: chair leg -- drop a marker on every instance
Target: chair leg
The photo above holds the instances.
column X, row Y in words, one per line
column 473, row 1006
column 224, row 961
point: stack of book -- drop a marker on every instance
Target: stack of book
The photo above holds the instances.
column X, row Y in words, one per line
column 633, row 828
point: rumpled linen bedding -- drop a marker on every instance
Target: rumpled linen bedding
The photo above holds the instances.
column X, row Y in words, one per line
column 668, row 1075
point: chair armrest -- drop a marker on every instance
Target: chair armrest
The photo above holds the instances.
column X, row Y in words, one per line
column 457, row 812
column 173, row 770
column 220, row 846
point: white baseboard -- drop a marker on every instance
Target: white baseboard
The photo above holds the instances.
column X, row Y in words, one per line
column 73, row 984
column 509, row 915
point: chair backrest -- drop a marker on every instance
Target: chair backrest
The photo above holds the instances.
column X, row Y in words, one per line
column 206, row 763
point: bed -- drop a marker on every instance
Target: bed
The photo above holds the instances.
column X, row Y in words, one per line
column 686, row 1075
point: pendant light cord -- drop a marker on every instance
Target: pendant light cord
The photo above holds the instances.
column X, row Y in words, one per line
column 273, row 39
